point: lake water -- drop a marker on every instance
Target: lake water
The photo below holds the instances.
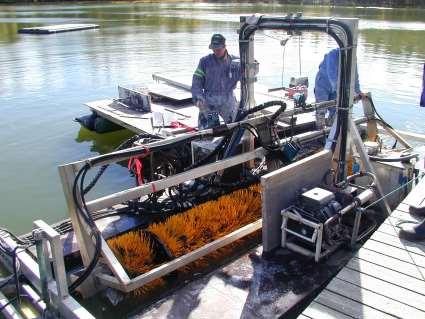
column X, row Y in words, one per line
column 46, row 79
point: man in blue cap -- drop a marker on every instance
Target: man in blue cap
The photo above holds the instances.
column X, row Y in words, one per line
column 213, row 83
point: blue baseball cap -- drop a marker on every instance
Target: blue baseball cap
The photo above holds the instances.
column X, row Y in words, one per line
column 217, row 42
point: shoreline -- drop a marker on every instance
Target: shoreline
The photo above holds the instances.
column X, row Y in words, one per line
column 361, row 4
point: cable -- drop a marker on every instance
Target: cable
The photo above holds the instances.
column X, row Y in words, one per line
column 20, row 244
column 376, row 112
column 84, row 213
column 127, row 143
column 299, row 52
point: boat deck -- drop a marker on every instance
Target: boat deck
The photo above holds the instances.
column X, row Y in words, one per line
column 386, row 277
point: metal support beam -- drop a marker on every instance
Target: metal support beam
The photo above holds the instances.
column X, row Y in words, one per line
column 367, row 164
column 148, row 188
column 45, row 233
column 344, row 134
column 164, row 269
column 7, row 309
column 85, row 242
column 369, row 113
column 68, row 306
column 84, row 239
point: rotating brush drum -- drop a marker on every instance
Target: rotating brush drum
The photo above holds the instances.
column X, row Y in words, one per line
column 142, row 250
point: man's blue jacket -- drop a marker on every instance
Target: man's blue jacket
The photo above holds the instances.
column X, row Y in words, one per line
column 327, row 78
column 422, row 103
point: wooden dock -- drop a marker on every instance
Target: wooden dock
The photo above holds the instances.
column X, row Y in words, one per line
column 386, row 277
column 58, row 28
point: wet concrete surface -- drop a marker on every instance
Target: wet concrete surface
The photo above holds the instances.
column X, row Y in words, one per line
column 252, row 286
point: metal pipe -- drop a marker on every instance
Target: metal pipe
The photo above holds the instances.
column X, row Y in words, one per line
column 299, row 249
column 356, row 227
column 8, row 310
column 68, row 307
column 350, row 178
column 34, row 298
column 360, row 199
column 343, row 35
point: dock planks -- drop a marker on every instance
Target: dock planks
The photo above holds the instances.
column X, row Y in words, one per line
column 386, row 277
column 58, row 28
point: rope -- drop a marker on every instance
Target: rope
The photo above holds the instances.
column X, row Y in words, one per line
column 283, row 68
column 299, row 52
column 394, row 227
column 404, row 246
column 394, row 190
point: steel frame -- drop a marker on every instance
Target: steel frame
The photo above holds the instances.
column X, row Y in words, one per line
column 56, row 290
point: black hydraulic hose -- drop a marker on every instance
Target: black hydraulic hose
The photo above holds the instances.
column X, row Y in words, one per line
column 241, row 116
column 260, row 107
column 127, row 143
column 138, row 151
column 345, row 74
column 84, row 213
column 90, row 267
column 376, row 112
column 323, row 25
column 276, row 114
column 238, row 134
column 313, row 24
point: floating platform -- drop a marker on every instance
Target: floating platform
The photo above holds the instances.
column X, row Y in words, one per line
column 173, row 99
column 58, row 28
column 386, row 277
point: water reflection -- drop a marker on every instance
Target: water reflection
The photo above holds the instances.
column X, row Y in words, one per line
column 408, row 43
column 102, row 143
column 8, row 32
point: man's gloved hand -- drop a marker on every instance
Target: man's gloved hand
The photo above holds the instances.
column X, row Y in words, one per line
column 360, row 97
column 200, row 104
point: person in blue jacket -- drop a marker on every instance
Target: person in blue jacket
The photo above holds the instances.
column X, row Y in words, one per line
column 416, row 231
column 422, row 103
column 326, row 83
column 213, row 83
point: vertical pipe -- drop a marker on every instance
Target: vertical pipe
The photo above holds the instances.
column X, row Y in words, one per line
column 283, row 228
column 319, row 242
column 356, row 226
column 42, row 264
column 347, row 75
